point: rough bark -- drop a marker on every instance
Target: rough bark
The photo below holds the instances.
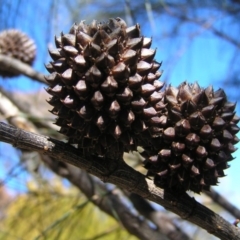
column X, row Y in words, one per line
column 16, row 66
column 122, row 175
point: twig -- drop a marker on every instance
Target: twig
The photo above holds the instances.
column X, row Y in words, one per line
column 208, row 25
column 23, row 107
column 125, row 177
column 223, row 202
column 16, row 66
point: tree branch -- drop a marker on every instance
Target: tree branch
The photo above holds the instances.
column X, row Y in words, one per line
column 17, row 66
column 223, row 202
column 122, row 175
column 12, row 106
column 207, row 25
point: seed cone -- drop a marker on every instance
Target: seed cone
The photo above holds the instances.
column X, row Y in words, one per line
column 104, row 86
column 18, row 45
column 197, row 139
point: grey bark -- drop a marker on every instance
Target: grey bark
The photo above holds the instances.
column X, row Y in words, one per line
column 125, row 177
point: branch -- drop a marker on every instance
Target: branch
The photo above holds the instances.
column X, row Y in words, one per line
column 208, row 25
column 224, row 203
column 11, row 106
column 17, row 66
column 125, row 177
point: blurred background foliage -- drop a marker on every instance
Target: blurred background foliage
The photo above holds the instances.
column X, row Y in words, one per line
column 46, row 209
column 196, row 40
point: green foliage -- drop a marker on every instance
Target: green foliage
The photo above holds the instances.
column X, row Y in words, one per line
column 57, row 213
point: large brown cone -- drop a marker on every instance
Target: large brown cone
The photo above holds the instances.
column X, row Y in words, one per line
column 104, row 86
column 198, row 137
column 18, row 45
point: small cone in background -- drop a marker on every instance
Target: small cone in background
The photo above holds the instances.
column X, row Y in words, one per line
column 16, row 44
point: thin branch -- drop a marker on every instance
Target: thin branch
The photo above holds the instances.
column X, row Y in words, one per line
column 223, row 202
column 12, row 113
column 23, row 108
column 208, row 25
column 16, row 66
column 122, row 175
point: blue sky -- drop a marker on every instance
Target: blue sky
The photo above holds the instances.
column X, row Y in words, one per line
column 204, row 58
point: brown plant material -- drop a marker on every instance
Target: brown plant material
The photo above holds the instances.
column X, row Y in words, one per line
column 104, row 86
column 197, row 140
column 18, row 45
column 122, row 175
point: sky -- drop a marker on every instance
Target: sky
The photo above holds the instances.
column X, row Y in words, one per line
column 203, row 58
